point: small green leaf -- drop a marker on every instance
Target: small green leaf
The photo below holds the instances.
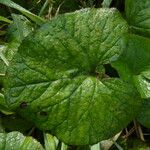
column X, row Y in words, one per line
column 134, row 64
column 55, row 74
column 20, row 28
column 17, row 141
column 138, row 16
column 27, row 13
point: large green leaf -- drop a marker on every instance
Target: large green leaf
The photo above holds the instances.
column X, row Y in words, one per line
column 138, row 16
column 134, row 64
column 54, row 81
column 17, row 141
column 144, row 116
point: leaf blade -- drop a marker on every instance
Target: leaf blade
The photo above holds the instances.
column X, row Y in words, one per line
column 66, row 79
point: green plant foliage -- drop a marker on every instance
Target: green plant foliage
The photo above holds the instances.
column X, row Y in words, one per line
column 106, row 3
column 16, row 123
column 50, row 142
column 66, row 6
column 16, row 141
column 136, row 144
column 65, row 93
column 144, row 116
column 79, row 79
column 5, row 19
column 19, row 29
column 134, row 64
column 138, row 16
column 3, row 61
column 2, row 102
column 27, row 13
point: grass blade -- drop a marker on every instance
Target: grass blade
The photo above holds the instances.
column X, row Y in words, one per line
column 27, row 13
column 5, row 19
column 43, row 8
column 106, row 3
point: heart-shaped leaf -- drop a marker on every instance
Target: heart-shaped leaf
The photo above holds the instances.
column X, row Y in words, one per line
column 57, row 78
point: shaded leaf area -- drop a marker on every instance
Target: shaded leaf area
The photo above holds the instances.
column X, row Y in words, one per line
column 17, row 141
column 134, row 63
column 119, row 4
column 138, row 16
column 144, row 116
column 15, row 123
column 69, row 93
